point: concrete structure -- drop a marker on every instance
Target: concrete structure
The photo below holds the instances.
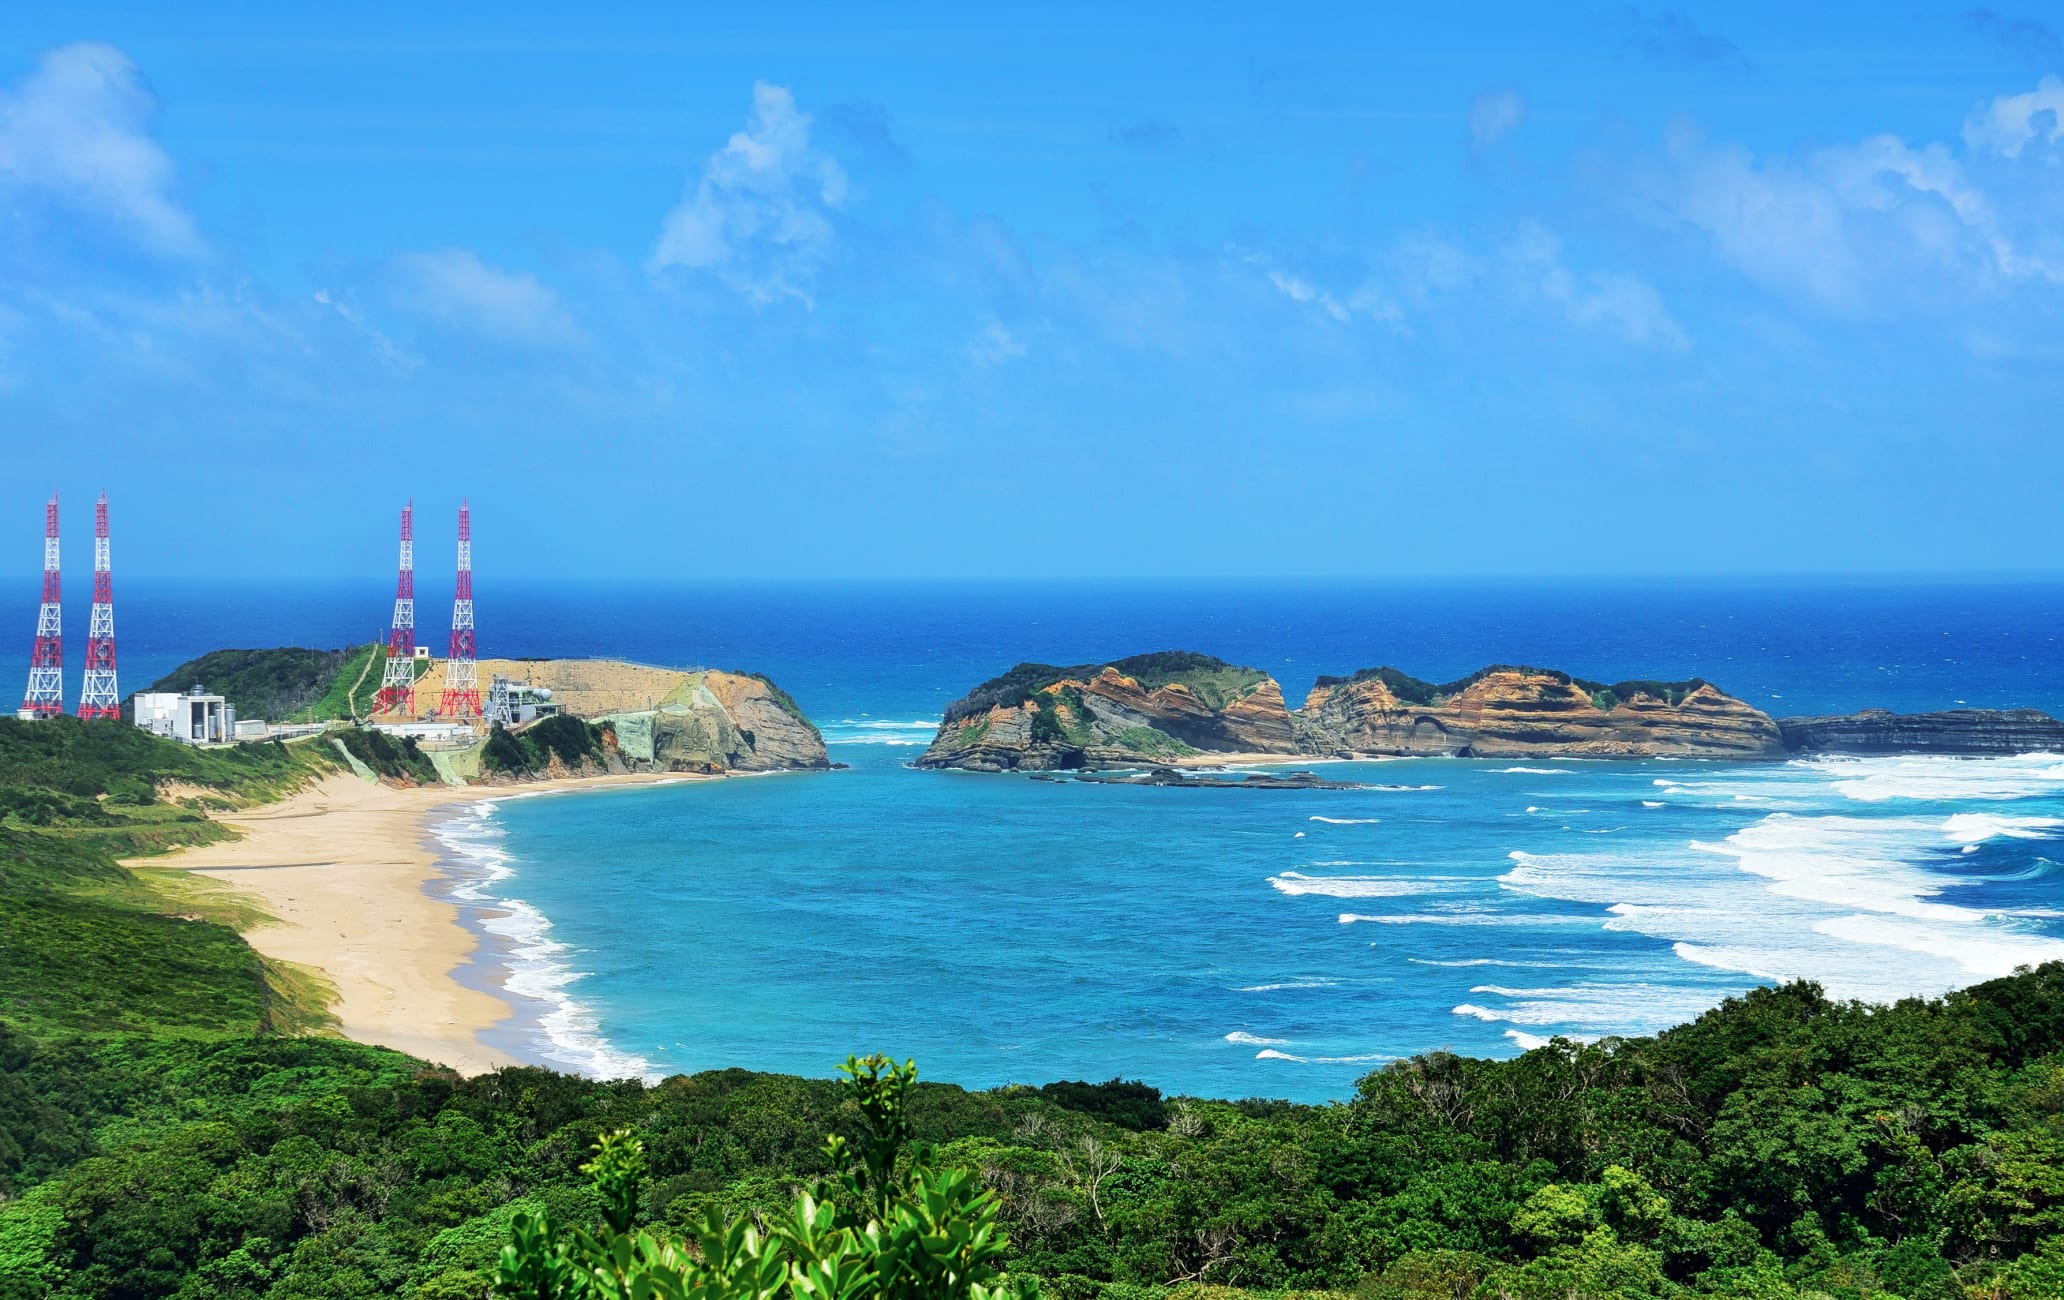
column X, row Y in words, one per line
column 192, row 718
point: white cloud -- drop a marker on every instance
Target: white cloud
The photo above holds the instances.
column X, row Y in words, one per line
column 994, row 346
column 456, row 286
column 1857, row 225
column 760, row 216
column 1613, row 301
column 75, row 133
column 1367, row 302
column 1495, row 114
column 2011, row 123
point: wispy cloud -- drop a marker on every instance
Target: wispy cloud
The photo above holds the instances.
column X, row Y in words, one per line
column 760, row 215
column 2032, row 121
column 1150, row 134
column 993, row 346
column 75, row 136
column 1858, row 226
column 1495, row 114
column 2029, row 37
column 1671, row 37
column 454, row 285
column 1615, row 302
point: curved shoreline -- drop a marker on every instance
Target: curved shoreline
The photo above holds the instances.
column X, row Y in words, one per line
column 352, row 879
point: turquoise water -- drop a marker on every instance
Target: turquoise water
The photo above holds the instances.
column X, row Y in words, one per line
column 1226, row 942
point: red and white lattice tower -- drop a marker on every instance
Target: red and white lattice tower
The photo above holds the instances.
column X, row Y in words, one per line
column 45, row 696
column 98, row 697
column 461, row 698
column 398, row 681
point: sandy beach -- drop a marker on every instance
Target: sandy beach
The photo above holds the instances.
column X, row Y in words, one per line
column 341, row 867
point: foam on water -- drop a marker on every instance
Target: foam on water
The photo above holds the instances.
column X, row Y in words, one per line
column 879, row 731
column 1297, row 883
column 539, row 971
column 1347, row 821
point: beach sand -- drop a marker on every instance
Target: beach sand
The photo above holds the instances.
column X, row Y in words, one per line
column 341, row 867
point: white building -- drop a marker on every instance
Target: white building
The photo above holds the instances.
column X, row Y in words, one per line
column 192, row 718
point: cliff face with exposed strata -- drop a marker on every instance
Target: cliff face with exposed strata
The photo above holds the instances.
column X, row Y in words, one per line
column 1963, row 732
column 1147, row 709
column 1176, row 707
column 720, row 722
column 1528, row 713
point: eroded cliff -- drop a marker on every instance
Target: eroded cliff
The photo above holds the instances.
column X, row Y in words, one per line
column 1154, row 708
column 1532, row 713
column 1177, row 706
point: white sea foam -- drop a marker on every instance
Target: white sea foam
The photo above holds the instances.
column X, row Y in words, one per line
column 879, row 731
column 1971, row 829
column 1527, row 1042
column 1252, row 1040
column 1653, row 803
column 539, row 969
column 1348, row 821
column 1537, row 771
column 1271, row 1054
column 1809, row 894
column 1289, row 984
column 1296, row 883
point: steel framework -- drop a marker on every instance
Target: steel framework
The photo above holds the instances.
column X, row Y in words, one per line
column 461, row 698
column 398, row 679
column 98, row 695
column 45, row 696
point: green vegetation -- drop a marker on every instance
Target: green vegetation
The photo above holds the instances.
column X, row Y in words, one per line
column 571, row 740
column 1154, row 744
column 1415, row 690
column 1214, row 681
column 164, row 1134
column 888, row 1223
column 385, row 756
column 89, row 948
column 282, row 684
column 1780, row 1146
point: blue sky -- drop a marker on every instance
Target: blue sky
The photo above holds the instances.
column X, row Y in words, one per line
column 1199, row 289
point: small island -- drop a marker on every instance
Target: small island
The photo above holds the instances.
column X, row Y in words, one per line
column 1177, row 708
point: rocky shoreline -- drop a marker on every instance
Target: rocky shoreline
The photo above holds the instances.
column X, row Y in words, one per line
column 1161, row 711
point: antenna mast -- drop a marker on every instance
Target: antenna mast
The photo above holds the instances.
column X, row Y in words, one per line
column 45, row 696
column 98, row 695
column 398, row 680
column 461, row 698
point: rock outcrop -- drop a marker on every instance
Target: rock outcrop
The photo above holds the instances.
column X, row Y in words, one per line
column 720, row 722
column 1967, row 732
column 1533, row 713
column 1149, row 709
column 1172, row 707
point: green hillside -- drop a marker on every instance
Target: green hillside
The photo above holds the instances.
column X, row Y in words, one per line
column 169, row 1128
column 288, row 684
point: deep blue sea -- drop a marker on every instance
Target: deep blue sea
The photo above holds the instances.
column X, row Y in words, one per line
column 1229, row 943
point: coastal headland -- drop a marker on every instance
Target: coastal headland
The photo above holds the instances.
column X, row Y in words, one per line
column 343, row 870
column 1178, row 708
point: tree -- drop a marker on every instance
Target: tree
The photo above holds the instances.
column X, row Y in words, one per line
column 888, row 1226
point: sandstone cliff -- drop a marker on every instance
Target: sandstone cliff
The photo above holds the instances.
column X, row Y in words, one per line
column 1968, row 732
column 1153, row 708
column 1532, row 713
column 1171, row 707
column 716, row 722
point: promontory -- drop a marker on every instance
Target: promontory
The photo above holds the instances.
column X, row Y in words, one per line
column 1178, row 707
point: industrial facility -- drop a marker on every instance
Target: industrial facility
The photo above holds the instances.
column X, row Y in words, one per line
column 198, row 717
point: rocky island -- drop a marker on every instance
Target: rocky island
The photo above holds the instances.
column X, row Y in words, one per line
column 1178, row 708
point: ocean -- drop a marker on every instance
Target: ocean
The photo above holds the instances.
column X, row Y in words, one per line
column 1224, row 942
